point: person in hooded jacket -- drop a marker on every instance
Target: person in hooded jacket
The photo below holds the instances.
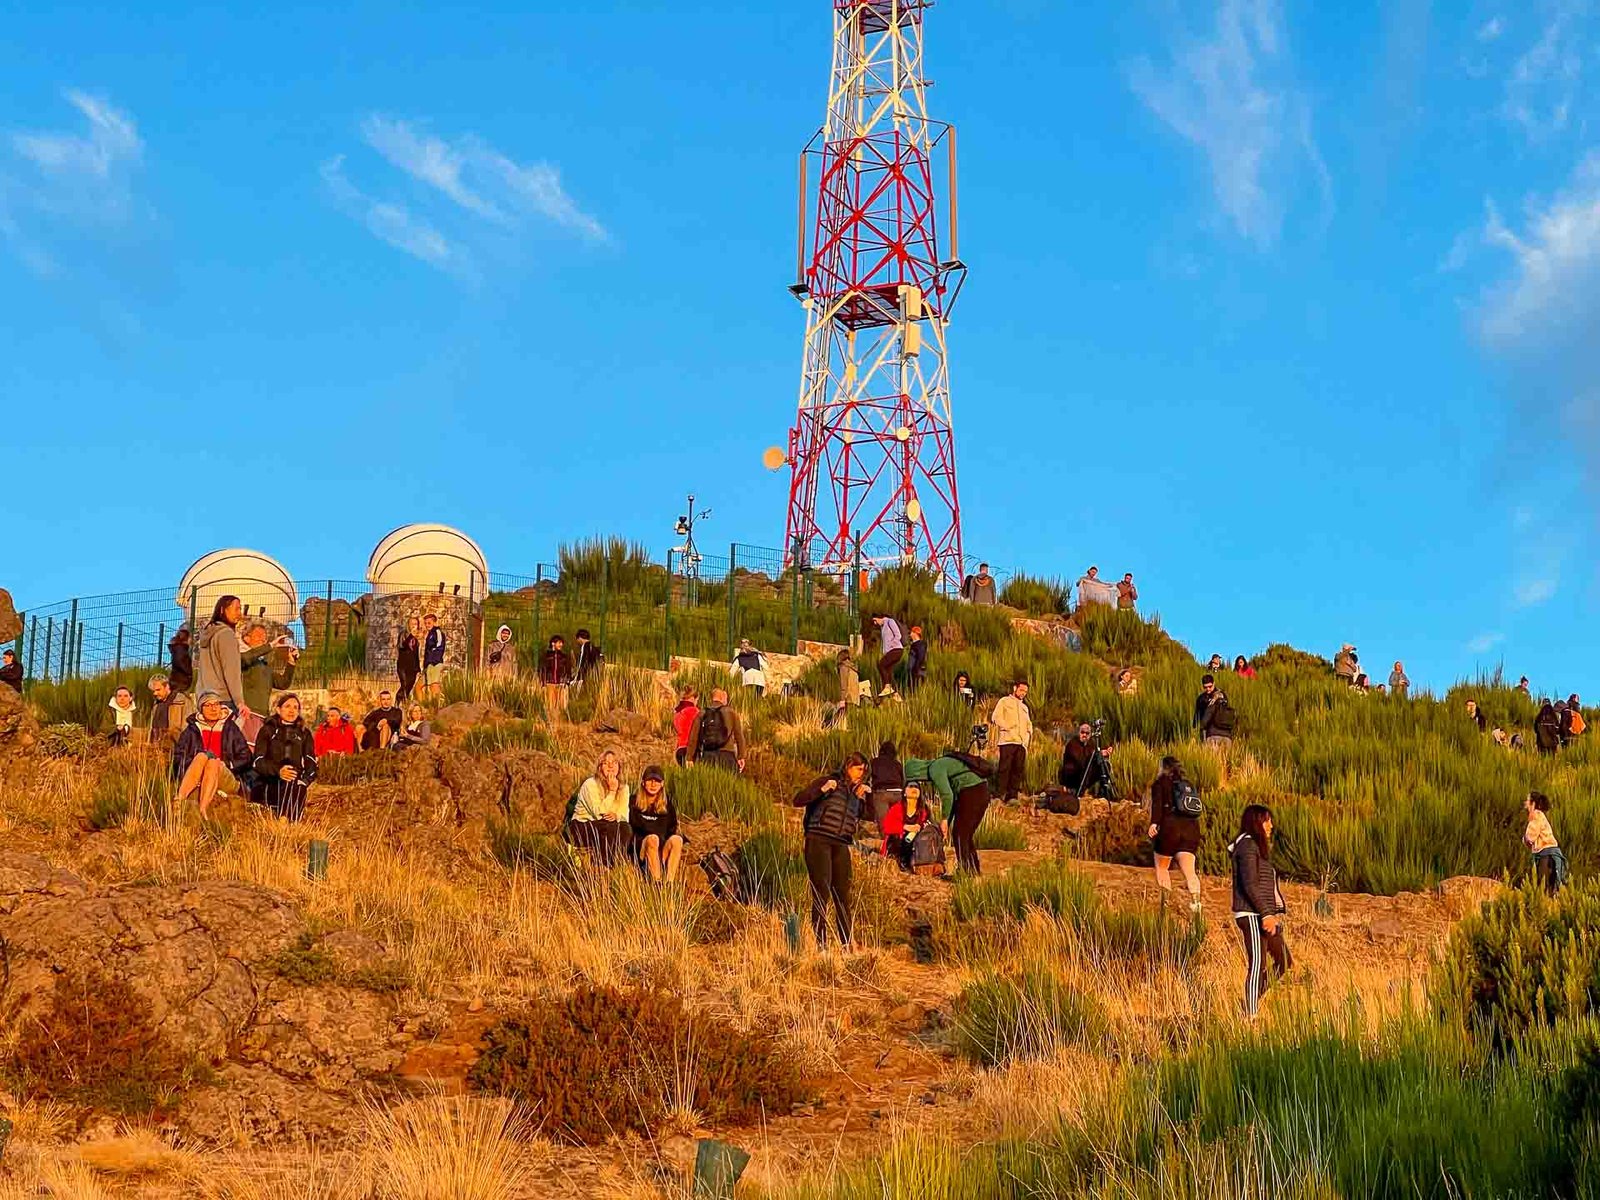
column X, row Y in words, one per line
column 1176, row 836
column 181, row 652
column 888, row 782
column 408, row 658
column 683, row 718
column 211, row 743
column 170, row 712
column 119, row 721
column 1257, row 903
column 286, row 760
column 833, row 805
column 963, row 797
column 1547, row 729
column 218, row 665
column 500, row 656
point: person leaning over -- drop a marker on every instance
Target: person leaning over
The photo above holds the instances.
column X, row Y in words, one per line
column 1258, row 903
column 717, row 739
column 210, row 745
column 833, row 805
column 654, row 821
column 599, row 819
column 1549, row 861
column 963, row 799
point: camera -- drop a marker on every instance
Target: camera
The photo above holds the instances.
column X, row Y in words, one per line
column 1098, row 725
column 980, row 736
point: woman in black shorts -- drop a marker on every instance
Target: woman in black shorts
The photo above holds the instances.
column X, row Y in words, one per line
column 1175, row 836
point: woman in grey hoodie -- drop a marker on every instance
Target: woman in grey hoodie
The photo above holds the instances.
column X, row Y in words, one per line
column 216, row 660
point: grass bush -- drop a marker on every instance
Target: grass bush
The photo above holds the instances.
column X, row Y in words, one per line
column 604, row 1062
column 772, row 868
column 712, row 792
column 368, row 766
column 543, row 855
column 82, row 702
column 1002, row 1016
column 129, row 786
column 509, row 735
column 1036, row 597
column 998, row 833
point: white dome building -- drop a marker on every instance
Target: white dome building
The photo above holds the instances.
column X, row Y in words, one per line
column 260, row 582
column 428, row 558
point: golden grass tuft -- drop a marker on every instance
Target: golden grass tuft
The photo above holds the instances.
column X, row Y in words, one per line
column 450, row 1148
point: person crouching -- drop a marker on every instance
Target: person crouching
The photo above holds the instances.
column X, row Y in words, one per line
column 903, row 823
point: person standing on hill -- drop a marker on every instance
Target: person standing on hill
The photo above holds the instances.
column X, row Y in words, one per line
column 916, row 660
column 433, row 644
column 1573, row 726
column 181, row 653
column 119, row 725
column 750, row 667
column 1346, row 665
column 1215, row 663
column 888, row 782
column 1213, row 715
column 891, row 647
column 717, row 739
column 683, row 719
column 1127, row 594
column 219, row 663
column 1399, row 682
column 500, row 658
column 963, row 798
column 555, row 672
column 1549, row 863
column 849, row 679
column 964, row 691
column 408, row 658
column 1524, row 687
column 980, row 588
column 263, row 669
column 1242, row 667
column 1547, row 729
column 286, row 759
column 1013, row 724
column 1094, row 590
column 1258, row 906
column 833, row 805
column 587, row 660
column 11, row 671
column 1175, row 829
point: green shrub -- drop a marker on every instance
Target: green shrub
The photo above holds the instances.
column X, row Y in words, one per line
column 1036, row 597
column 543, row 855
column 998, row 833
column 303, row 961
column 128, row 787
column 369, row 766
column 603, row 1062
column 772, row 868
column 1002, row 1016
column 712, row 792
column 508, row 735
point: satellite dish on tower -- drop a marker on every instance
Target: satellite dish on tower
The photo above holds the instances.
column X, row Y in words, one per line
column 914, row 510
column 773, row 458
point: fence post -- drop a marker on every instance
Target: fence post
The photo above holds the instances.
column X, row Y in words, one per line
column 327, row 632
column 538, row 607
column 69, row 657
column 733, row 595
column 794, row 598
column 161, row 645
column 666, row 624
column 77, row 655
column 119, row 647
column 33, row 644
column 49, row 637
column 855, row 582
column 472, row 651
column 605, row 593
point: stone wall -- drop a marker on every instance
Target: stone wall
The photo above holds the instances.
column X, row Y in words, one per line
column 388, row 614
column 341, row 620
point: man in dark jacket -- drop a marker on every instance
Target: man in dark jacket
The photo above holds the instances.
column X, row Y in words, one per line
column 1213, row 715
column 587, row 659
column 916, row 659
column 1547, row 729
column 181, row 676
column 717, row 737
column 1083, row 765
column 833, row 805
column 379, row 727
column 169, row 713
column 433, row 643
column 11, row 671
column 286, row 761
column 555, row 672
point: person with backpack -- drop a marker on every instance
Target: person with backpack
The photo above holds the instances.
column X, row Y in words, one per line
column 1258, row 906
column 908, row 821
column 749, row 667
column 211, row 743
column 833, row 805
column 597, row 816
column 683, row 719
column 980, row 588
column 1547, row 729
column 1575, row 723
column 286, row 760
column 717, row 738
column 1549, row 861
column 961, row 782
column 1013, row 725
column 888, row 782
column 891, row 649
column 587, row 659
column 1175, row 829
column 1213, row 715
column 654, row 822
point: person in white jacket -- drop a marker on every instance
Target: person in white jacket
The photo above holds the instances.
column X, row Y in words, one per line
column 1013, row 724
column 750, row 667
column 599, row 821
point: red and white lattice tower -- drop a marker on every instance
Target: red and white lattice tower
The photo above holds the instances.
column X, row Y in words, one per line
column 872, row 451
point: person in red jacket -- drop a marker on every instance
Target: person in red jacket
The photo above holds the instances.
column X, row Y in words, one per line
column 683, row 721
column 335, row 735
column 902, row 823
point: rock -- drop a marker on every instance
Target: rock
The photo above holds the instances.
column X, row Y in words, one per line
column 1465, row 894
column 189, row 951
column 262, row 1107
column 27, row 876
column 629, row 724
column 330, row 1036
column 537, row 796
column 460, row 715
column 10, row 623
column 909, row 1017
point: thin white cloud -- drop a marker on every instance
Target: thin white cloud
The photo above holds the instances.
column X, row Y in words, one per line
column 479, row 178
column 1485, row 642
column 1536, row 590
column 112, row 142
column 1230, row 93
column 1543, row 84
column 1491, row 29
column 390, row 222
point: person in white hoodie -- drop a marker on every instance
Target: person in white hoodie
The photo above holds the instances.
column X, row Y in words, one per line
column 599, row 817
column 500, row 659
column 122, row 707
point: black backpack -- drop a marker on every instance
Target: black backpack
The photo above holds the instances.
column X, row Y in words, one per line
column 722, row 874
column 1222, row 719
column 1185, row 799
column 927, row 851
column 980, row 767
column 713, row 730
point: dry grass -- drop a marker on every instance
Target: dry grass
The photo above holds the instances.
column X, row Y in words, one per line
column 448, row 1148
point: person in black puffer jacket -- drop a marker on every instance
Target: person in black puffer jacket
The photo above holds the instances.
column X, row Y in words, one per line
column 1257, row 903
column 833, row 806
column 286, row 760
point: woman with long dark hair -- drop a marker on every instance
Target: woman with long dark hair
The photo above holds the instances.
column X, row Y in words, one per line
column 833, row 805
column 1549, row 862
column 408, row 659
column 1258, row 903
column 1175, row 829
column 218, row 662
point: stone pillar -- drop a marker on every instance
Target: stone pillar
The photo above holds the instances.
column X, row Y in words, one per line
column 388, row 613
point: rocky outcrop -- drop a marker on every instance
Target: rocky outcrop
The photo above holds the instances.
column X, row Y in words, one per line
column 10, row 623
column 25, row 877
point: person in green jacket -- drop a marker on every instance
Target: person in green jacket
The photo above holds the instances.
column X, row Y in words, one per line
column 963, row 797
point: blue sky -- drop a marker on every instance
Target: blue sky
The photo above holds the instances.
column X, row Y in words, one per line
column 1289, row 309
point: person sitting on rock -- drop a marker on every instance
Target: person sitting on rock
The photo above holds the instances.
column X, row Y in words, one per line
column 169, row 713
column 211, row 745
column 11, row 671
column 335, row 735
column 654, row 822
column 598, row 820
column 418, row 731
column 119, row 725
column 903, row 822
column 286, row 760
column 380, row 726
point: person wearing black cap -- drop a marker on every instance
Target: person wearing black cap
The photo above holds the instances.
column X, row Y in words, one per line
column 655, row 827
